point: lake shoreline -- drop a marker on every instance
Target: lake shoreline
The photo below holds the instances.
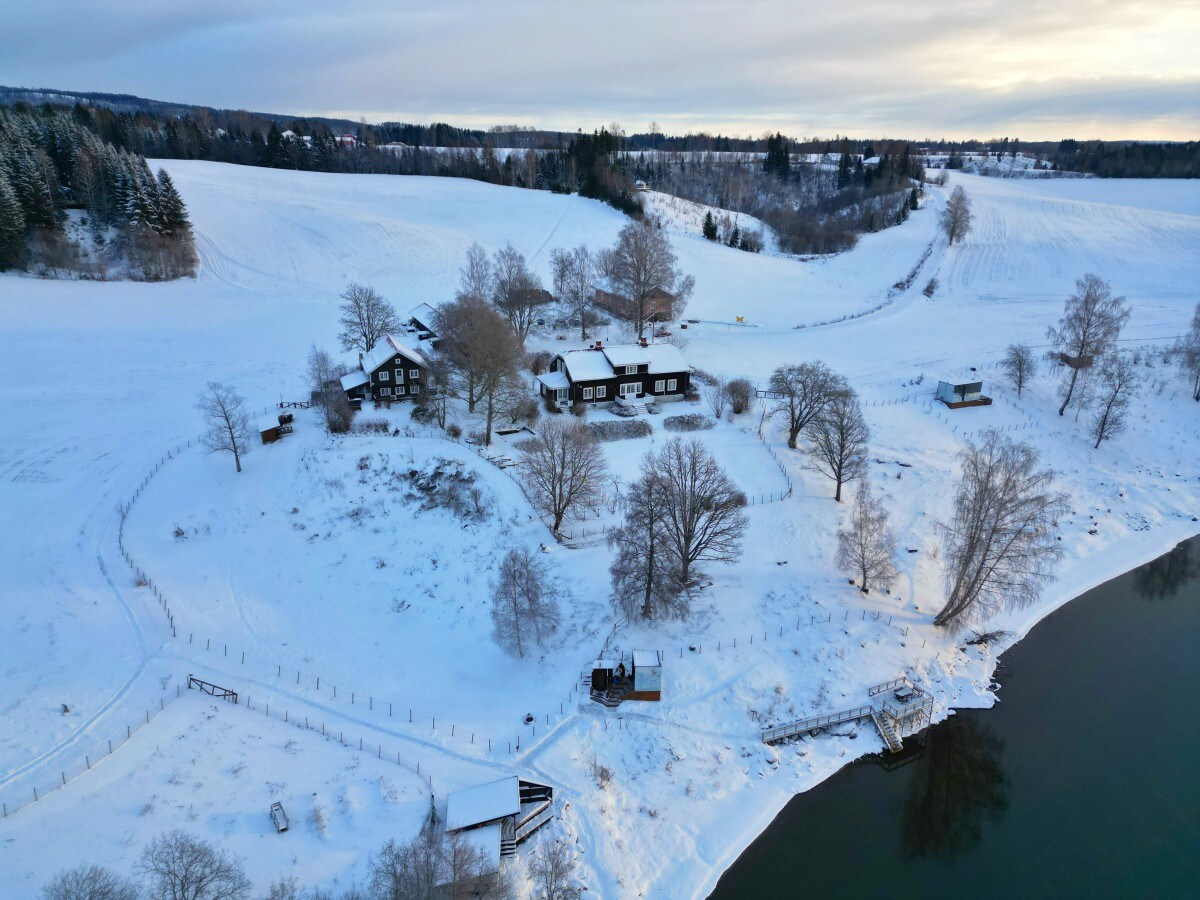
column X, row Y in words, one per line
column 1078, row 578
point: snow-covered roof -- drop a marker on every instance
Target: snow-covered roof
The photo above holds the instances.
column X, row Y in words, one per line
column 646, row 658
column 587, row 365
column 485, row 803
column 354, row 379
column 626, row 355
column 385, row 349
column 554, row 380
column 423, row 313
column 665, row 358
column 604, row 664
column 268, row 424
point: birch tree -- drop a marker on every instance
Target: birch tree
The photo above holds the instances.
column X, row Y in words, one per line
column 563, row 467
column 641, row 263
column 226, row 422
column 575, row 284
column 804, row 391
column 482, row 353
column 179, row 866
column 956, row 217
column 1187, row 355
column 1019, row 366
column 524, row 611
column 366, row 318
column 1000, row 547
column 1118, row 385
column 867, row 546
column 838, row 440
column 1091, row 323
column 516, row 291
column 644, row 585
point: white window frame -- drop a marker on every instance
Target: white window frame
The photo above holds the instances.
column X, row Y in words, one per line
column 385, row 375
column 622, row 392
column 385, row 392
column 399, row 391
column 660, row 386
column 587, row 393
column 414, row 389
column 631, row 370
column 399, row 362
column 414, row 374
column 399, row 375
column 601, row 391
column 672, row 385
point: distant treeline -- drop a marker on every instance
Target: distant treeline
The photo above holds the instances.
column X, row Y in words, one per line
column 1111, row 159
column 53, row 160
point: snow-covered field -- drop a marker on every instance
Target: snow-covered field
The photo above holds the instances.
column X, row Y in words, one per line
column 99, row 381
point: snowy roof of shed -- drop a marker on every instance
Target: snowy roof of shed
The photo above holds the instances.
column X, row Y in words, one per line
column 354, row 379
column 554, row 380
column 647, row 658
column 423, row 313
column 484, row 803
column 385, row 349
column 268, row 424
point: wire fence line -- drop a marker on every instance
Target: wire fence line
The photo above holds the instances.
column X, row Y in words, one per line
column 15, row 799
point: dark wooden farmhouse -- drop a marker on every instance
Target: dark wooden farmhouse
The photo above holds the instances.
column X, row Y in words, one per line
column 391, row 370
column 421, row 321
column 626, row 374
column 660, row 305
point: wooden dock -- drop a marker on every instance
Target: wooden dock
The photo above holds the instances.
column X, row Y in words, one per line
column 897, row 708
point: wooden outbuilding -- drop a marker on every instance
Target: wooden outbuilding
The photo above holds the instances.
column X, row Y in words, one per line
column 271, row 430
column 957, row 396
column 501, row 814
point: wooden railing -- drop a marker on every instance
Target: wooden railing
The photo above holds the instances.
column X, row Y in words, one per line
column 780, row 732
column 207, row 687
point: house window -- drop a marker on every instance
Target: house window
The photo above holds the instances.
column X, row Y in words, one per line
column 600, row 392
column 385, row 392
column 414, row 374
column 658, row 386
column 630, row 389
column 399, row 362
column 384, row 375
column 587, row 393
column 631, row 370
column 672, row 383
column 399, row 391
column 415, row 389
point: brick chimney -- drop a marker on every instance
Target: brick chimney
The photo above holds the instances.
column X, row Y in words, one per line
column 599, row 346
column 644, row 342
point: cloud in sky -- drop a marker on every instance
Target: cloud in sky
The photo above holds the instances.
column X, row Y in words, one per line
column 1035, row 70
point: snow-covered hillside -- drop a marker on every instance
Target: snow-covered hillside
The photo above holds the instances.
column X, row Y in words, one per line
column 99, row 382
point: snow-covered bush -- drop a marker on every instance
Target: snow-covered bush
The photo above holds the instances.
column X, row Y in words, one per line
column 370, row 426
column 447, row 484
column 688, row 422
column 620, row 431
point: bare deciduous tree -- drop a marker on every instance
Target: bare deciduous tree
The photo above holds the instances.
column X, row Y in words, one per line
column 552, row 869
column 741, row 395
column 90, row 883
column 524, row 610
column 366, row 318
column 564, row 468
column 867, row 546
column 804, row 390
column 575, row 284
column 1118, row 384
column 1019, row 366
column 1187, row 355
column 641, row 263
column 481, row 351
column 226, row 423
column 956, row 217
column 702, row 515
column 516, row 291
column 643, row 571
column 838, row 439
column 1091, row 323
column 999, row 547
column 179, row 866
column 326, row 389
column 434, row 866
column 475, row 278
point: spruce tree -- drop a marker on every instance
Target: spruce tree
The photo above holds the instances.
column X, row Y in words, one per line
column 735, row 237
column 172, row 212
column 710, row 227
column 12, row 225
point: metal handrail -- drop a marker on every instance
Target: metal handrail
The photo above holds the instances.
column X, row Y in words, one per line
column 889, row 685
column 822, row 721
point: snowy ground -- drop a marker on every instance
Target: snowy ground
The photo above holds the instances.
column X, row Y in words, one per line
column 100, row 378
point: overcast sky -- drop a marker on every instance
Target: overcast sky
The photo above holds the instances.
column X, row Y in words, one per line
column 962, row 68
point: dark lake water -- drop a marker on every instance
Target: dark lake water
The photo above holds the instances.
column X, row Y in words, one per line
column 1084, row 781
